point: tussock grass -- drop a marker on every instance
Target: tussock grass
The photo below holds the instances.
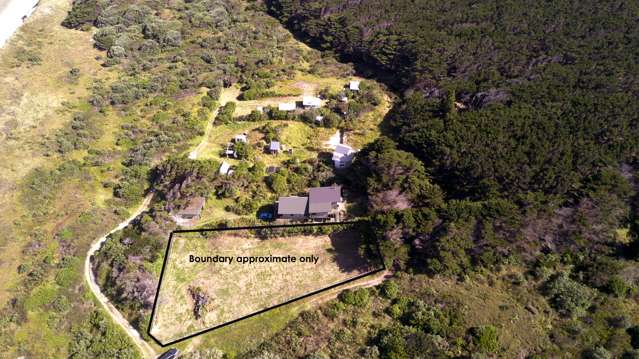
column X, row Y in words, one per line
column 235, row 289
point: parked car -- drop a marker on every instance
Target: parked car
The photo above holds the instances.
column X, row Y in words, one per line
column 170, row 354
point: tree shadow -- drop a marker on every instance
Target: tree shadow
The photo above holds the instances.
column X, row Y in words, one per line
column 346, row 252
column 266, row 212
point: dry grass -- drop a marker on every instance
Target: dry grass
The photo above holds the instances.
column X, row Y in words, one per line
column 247, row 334
column 368, row 127
column 491, row 300
column 236, row 290
column 303, row 139
column 36, row 100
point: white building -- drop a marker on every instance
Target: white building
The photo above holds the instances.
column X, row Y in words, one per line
column 319, row 118
column 353, row 85
column 311, row 102
column 287, row 106
column 225, row 168
column 240, row 138
column 343, row 156
column 274, row 147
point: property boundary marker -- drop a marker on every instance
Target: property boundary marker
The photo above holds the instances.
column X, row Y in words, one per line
column 224, row 229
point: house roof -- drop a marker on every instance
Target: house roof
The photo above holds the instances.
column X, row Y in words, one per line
column 287, row 106
column 274, row 146
column 354, row 85
column 343, row 158
column 343, row 149
column 321, row 199
column 311, row 101
column 292, row 205
column 240, row 137
column 193, row 208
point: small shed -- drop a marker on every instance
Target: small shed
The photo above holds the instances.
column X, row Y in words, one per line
column 287, row 106
column 319, row 118
column 311, row 102
column 274, row 147
column 193, row 209
column 240, row 138
column 353, row 85
column 225, row 168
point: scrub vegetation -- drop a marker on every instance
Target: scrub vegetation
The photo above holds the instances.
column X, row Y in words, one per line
column 516, row 140
column 104, row 108
column 188, row 72
column 501, row 186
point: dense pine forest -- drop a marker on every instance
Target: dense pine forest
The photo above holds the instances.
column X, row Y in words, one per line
column 510, row 158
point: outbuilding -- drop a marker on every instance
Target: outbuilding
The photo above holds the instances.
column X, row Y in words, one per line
column 274, row 147
column 311, row 102
column 225, row 168
column 287, row 106
column 193, row 209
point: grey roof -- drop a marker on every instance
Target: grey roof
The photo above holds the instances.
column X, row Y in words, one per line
column 292, row 205
column 193, row 208
column 274, row 146
column 321, row 199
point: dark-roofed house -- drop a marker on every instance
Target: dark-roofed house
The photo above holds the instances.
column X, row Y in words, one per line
column 292, row 207
column 193, row 210
column 324, row 202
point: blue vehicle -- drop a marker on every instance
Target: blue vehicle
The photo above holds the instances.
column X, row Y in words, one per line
column 265, row 216
column 170, row 354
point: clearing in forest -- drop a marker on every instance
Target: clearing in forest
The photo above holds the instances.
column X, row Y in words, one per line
column 212, row 278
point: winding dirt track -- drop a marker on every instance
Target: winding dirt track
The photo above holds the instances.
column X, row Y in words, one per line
column 226, row 95
column 144, row 347
column 146, row 350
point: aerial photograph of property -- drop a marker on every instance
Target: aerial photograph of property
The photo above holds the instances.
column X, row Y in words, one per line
column 319, row 179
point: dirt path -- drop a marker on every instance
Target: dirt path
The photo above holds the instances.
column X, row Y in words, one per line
column 146, row 350
column 371, row 282
column 226, row 95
